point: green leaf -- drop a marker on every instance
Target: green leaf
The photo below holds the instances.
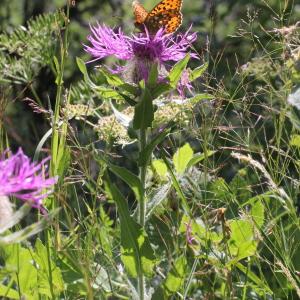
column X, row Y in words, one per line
column 25, row 274
column 129, row 88
column 196, row 73
column 9, row 293
column 176, row 71
column 132, row 180
column 46, row 265
column 241, row 243
column 116, row 81
column 175, row 277
column 112, row 79
column 57, row 67
column 182, row 157
column 157, row 198
column 295, row 140
column 199, row 157
column 107, row 93
column 136, row 250
column 257, row 210
column 253, row 277
column 160, row 89
column 177, row 186
column 194, row 100
column 147, row 152
column 158, row 294
column 82, row 67
column 128, row 99
column 143, row 111
column 160, row 168
column 28, row 231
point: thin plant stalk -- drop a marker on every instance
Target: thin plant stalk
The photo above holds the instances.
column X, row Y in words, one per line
column 60, row 73
column 142, row 206
column 55, row 132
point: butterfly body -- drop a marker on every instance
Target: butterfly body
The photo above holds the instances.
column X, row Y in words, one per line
column 166, row 14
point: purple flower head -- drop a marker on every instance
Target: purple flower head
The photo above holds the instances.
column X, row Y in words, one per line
column 23, row 179
column 142, row 49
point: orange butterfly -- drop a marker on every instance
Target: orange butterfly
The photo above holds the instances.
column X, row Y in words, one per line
column 166, row 14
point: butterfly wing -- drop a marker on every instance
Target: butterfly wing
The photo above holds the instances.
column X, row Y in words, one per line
column 140, row 13
column 165, row 14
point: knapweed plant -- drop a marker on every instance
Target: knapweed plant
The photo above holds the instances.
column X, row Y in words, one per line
column 151, row 72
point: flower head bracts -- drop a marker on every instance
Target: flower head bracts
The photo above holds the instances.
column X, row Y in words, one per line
column 26, row 180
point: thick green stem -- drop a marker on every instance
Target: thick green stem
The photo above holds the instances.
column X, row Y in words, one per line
column 143, row 169
column 142, row 207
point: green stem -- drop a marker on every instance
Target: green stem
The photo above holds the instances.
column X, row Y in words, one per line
column 142, row 207
column 143, row 170
column 48, row 233
column 58, row 100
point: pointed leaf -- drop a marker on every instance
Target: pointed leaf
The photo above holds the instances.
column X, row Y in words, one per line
column 253, row 277
column 182, row 157
column 196, row 73
column 241, row 243
column 46, row 265
column 112, row 79
column 146, row 153
column 176, row 71
column 177, row 186
column 137, row 253
column 194, row 100
column 82, row 67
column 159, row 196
column 160, row 89
column 132, row 180
column 107, row 93
column 8, row 293
column 160, row 168
column 175, row 277
column 199, row 157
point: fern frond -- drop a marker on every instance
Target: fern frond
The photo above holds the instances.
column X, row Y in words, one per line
column 27, row 49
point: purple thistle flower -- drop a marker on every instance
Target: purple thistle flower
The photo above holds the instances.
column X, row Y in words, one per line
column 23, row 179
column 142, row 49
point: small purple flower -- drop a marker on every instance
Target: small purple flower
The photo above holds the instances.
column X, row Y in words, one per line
column 184, row 84
column 142, row 49
column 189, row 235
column 23, row 179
